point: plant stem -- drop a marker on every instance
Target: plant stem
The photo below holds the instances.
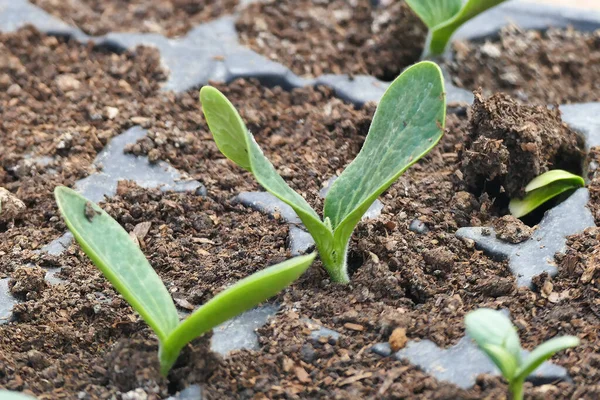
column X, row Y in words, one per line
column 167, row 355
column 335, row 263
column 516, row 388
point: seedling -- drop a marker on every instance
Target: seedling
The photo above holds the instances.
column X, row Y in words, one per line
column 121, row 261
column 408, row 122
column 543, row 188
column 497, row 337
column 444, row 17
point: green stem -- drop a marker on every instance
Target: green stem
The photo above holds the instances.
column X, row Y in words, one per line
column 516, row 388
column 167, row 355
column 335, row 263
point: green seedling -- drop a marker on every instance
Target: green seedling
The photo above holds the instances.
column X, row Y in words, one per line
column 8, row 395
column 444, row 17
column 543, row 188
column 497, row 337
column 121, row 261
column 408, row 122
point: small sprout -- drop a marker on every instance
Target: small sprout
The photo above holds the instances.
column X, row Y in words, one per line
column 408, row 122
column 543, row 188
column 444, row 17
column 121, row 261
column 497, row 337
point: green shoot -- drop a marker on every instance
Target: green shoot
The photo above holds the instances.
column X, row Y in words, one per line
column 497, row 337
column 444, row 17
column 121, row 261
column 8, row 395
column 543, row 188
column 407, row 124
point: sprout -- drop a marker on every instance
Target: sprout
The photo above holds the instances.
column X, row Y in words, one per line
column 444, row 17
column 543, row 188
column 497, row 337
column 408, row 122
column 121, row 261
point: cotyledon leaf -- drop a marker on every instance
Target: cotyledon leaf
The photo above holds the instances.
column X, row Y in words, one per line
column 407, row 124
column 543, row 188
column 491, row 327
column 8, row 395
column 240, row 297
column 121, row 261
column 435, row 12
column 543, row 352
column 215, row 105
column 440, row 34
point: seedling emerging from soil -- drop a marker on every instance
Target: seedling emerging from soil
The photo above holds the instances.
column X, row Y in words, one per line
column 543, row 188
column 121, row 261
column 408, row 122
column 444, row 17
column 497, row 337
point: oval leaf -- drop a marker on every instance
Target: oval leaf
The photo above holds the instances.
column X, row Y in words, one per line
column 552, row 176
column 544, row 352
column 240, row 297
column 8, row 395
column 121, row 261
column 226, row 125
column 408, row 123
column 543, row 188
column 491, row 327
column 435, row 12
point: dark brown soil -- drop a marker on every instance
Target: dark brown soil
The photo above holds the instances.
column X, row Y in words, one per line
column 167, row 17
column 73, row 339
column 510, row 144
column 552, row 67
column 335, row 37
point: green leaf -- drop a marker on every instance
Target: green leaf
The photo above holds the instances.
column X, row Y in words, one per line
column 490, row 327
column 408, row 123
column 215, row 106
column 226, row 125
column 543, row 188
column 121, row 261
column 544, row 352
column 435, row 12
column 240, row 297
column 553, row 176
column 8, row 395
column 444, row 17
column 506, row 363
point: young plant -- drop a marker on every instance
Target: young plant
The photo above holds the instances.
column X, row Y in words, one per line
column 408, row 122
column 444, row 17
column 497, row 337
column 121, row 261
column 543, row 188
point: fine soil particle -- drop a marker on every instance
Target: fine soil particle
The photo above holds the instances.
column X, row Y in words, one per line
column 27, row 283
column 79, row 339
column 510, row 144
column 551, row 67
column 167, row 17
column 334, row 37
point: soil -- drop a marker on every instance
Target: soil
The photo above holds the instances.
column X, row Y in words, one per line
column 167, row 17
column 79, row 339
column 510, row 144
column 553, row 67
column 314, row 37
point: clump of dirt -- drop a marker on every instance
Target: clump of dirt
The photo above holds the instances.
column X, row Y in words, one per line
column 167, row 17
column 335, row 37
column 512, row 230
column 27, row 282
column 509, row 144
column 552, row 67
